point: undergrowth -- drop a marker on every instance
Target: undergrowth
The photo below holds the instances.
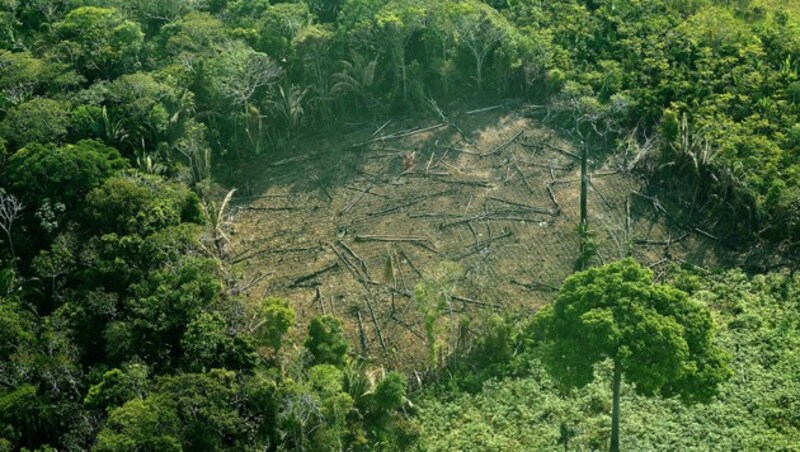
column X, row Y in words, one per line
column 512, row 404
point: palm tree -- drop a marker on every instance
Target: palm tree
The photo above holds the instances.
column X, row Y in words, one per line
column 358, row 77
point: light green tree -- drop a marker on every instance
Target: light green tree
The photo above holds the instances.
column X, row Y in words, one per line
column 655, row 335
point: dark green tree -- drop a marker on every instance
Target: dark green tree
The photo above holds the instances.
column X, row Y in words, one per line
column 141, row 204
column 62, row 174
column 326, row 342
column 38, row 120
column 99, row 42
column 655, row 335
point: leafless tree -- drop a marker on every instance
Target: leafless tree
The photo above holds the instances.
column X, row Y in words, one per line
column 248, row 71
column 10, row 211
column 477, row 32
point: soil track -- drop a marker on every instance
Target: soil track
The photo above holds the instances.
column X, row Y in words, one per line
column 339, row 225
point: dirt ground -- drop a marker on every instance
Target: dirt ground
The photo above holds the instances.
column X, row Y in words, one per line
column 346, row 225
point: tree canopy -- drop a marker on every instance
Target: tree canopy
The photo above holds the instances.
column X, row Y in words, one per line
column 658, row 339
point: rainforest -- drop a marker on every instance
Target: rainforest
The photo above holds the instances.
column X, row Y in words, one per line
column 356, row 225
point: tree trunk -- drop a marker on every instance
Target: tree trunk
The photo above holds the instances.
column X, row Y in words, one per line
column 615, row 407
column 584, row 183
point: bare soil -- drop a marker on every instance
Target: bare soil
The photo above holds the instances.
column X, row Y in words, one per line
column 339, row 225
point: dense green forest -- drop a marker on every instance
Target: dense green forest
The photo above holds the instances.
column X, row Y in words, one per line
column 125, row 326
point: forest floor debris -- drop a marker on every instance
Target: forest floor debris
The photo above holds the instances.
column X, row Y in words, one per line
column 390, row 225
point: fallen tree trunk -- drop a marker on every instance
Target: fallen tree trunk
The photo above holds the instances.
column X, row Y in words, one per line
column 313, row 274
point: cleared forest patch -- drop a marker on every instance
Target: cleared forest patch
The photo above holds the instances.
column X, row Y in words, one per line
column 347, row 225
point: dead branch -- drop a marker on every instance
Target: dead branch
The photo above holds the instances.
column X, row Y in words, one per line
column 554, row 148
column 408, row 327
column 503, row 146
column 481, row 110
column 542, row 165
column 374, row 178
column 553, row 196
column 402, row 275
column 533, row 285
column 276, row 195
column 241, row 288
column 658, row 262
column 433, row 215
column 463, row 151
column 377, row 325
column 361, row 334
column 565, row 181
column 484, row 245
column 324, row 190
column 524, row 178
column 526, row 207
column 299, row 158
column 660, row 208
column 368, row 191
column 474, row 183
column 661, row 242
column 355, row 200
column 707, row 234
column 421, row 241
column 476, row 302
column 489, row 216
column 321, row 301
column 600, row 194
column 375, row 133
column 269, row 209
column 410, row 263
column 410, row 202
column 251, row 255
column 361, row 261
column 474, row 235
column 398, row 135
column 350, row 266
column 313, row 274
